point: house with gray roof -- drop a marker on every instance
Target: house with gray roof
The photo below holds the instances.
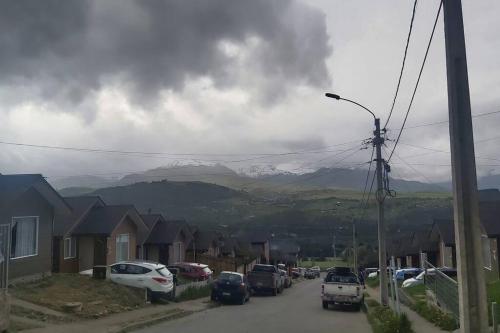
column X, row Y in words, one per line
column 28, row 205
column 166, row 241
column 97, row 234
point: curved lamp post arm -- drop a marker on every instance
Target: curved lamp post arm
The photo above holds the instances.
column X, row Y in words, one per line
column 337, row 97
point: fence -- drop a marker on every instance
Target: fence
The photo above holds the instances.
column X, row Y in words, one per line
column 4, row 276
column 443, row 288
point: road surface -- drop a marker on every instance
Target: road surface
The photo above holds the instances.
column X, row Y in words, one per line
column 296, row 310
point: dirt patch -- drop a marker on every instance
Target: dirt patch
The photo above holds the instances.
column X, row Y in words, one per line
column 36, row 315
column 99, row 297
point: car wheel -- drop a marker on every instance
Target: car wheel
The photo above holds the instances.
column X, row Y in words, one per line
column 357, row 307
column 325, row 305
column 275, row 291
column 242, row 300
column 212, row 297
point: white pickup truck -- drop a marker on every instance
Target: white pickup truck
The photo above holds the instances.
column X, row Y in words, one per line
column 341, row 286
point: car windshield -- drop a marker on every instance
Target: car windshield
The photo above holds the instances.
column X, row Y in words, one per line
column 229, row 277
column 348, row 278
column 263, row 268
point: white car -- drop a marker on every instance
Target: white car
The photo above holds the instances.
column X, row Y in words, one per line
column 153, row 277
column 419, row 279
column 316, row 270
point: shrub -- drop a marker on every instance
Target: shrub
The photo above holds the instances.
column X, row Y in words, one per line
column 384, row 320
column 194, row 293
column 434, row 315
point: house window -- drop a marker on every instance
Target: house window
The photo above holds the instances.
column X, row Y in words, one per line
column 486, row 251
column 69, row 248
column 24, row 237
column 122, row 247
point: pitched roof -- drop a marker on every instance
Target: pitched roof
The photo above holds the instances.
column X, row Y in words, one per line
column 446, row 229
column 103, row 220
column 205, row 239
column 489, row 213
column 166, row 232
column 80, row 206
column 13, row 186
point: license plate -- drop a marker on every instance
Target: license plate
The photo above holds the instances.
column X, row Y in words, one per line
column 226, row 294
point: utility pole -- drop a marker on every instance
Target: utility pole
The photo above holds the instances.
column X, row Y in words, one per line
column 333, row 246
column 471, row 283
column 354, row 247
column 378, row 141
column 382, row 255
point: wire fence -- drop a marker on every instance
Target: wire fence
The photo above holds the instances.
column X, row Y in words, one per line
column 443, row 288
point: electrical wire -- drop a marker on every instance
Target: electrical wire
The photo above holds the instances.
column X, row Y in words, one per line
column 418, row 80
column 404, row 62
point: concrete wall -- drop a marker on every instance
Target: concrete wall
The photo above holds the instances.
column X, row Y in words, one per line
column 31, row 203
column 126, row 227
column 491, row 273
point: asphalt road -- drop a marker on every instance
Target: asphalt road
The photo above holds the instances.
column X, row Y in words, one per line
column 296, row 310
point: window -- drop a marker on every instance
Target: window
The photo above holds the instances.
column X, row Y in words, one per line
column 69, row 248
column 486, row 251
column 122, row 247
column 134, row 269
column 24, row 237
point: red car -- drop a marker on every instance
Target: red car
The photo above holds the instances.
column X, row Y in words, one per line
column 194, row 271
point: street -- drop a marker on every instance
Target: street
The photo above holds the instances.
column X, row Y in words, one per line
column 296, row 310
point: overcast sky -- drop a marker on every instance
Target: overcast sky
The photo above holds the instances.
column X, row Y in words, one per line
column 232, row 78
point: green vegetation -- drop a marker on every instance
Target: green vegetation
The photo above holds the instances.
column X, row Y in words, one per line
column 384, row 320
column 433, row 314
column 194, row 293
column 323, row 264
column 372, row 282
column 99, row 297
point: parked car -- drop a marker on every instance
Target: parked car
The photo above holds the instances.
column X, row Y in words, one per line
column 407, row 273
column 419, row 279
column 288, row 279
column 296, row 273
column 153, row 277
column 193, row 271
column 265, row 278
column 316, row 270
column 310, row 274
column 342, row 287
column 231, row 286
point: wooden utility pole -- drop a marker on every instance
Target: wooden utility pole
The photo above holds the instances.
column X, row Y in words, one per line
column 471, row 283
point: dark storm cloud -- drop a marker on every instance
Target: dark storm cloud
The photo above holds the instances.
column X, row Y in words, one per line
column 68, row 48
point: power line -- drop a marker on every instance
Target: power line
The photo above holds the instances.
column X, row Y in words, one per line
column 404, row 61
column 418, row 80
column 478, row 115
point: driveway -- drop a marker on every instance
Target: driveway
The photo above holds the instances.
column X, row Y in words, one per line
column 296, row 310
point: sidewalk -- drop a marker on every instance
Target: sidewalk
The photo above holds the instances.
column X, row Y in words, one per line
column 419, row 324
column 126, row 320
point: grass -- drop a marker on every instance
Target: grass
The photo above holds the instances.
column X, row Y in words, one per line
column 36, row 315
column 323, row 264
column 432, row 313
column 99, row 297
column 384, row 320
column 194, row 293
column 372, row 282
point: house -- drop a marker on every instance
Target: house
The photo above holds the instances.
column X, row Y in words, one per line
column 97, row 234
column 166, row 241
column 65, row 246
column 207, row 243
column 489, row 212
column 284, row 251
column 443, row 234
column 259, row 242
column 28, row 205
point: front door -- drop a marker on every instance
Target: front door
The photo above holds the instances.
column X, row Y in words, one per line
column 56, row 253
column 100, row 251
column 163, row 254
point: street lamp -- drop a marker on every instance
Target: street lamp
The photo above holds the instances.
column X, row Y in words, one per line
column 382, row 255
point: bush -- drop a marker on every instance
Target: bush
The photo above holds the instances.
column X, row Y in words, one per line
column 384, row 320
column 194, row 293
column 439, row 318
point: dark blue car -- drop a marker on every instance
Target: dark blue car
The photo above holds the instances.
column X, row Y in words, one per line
column 231, row 286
